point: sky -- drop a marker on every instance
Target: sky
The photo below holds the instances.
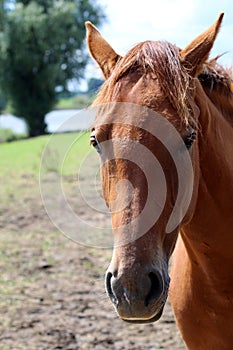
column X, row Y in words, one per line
column 179, row 22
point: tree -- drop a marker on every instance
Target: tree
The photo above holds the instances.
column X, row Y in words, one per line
column 2, row 102
column 41, row 50
column 2, row 14
column 93, row 85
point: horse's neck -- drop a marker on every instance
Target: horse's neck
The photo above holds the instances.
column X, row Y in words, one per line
column 212, row 223
column 216, row 147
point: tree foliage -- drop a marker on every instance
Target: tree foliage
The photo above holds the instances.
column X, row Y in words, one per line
column 93, row 85
column 41, row 50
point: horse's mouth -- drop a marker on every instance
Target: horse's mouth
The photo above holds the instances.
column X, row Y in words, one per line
column 150, row 320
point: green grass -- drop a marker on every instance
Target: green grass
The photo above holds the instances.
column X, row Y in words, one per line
column 77, row 102
column 20, row 165
column 21, row 156
column 64, row 153
column 24, row 157
column 6, row 135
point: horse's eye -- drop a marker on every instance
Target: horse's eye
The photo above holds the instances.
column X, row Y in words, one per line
column 95, row 143
column 190, row 139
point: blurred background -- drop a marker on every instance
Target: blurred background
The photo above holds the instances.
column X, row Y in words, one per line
column 52, row 289
column 44, row 61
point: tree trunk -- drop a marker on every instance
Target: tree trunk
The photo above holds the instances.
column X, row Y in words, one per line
column 36, row 126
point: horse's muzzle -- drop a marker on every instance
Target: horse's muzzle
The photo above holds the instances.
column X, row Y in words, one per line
column 138, row 296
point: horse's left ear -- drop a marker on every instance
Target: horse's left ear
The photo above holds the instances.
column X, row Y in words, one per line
column 100, row 50
column 197, row 52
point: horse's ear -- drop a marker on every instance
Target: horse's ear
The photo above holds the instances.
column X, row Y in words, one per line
column 197, row 52
column 100, row 50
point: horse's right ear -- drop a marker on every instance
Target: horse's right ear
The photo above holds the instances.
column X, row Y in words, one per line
column 100, row 50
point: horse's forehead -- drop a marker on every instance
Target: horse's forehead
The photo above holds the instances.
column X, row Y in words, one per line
column 140, row 79
column 140, row 89
column 118, row 118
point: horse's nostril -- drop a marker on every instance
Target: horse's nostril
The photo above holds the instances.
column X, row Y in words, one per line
column 156, row 288
column 109, row 288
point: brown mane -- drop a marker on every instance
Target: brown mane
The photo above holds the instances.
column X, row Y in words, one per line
column 218, row 85
column 216, row 77
column 162, row 59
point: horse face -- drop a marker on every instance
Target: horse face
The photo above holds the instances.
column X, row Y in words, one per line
column 140, row 182
column 144, row 132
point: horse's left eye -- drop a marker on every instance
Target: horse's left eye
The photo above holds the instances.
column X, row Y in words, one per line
column 189, row 140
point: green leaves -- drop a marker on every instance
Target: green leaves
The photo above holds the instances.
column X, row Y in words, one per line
column 41, row 49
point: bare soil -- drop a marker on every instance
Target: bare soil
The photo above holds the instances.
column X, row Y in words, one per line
column 52, row 290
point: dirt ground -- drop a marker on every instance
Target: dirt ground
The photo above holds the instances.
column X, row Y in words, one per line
column 52, row 290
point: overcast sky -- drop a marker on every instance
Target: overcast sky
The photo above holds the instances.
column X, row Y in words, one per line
column 177, row 21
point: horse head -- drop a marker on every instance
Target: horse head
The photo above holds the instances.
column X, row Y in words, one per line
column 146, row 131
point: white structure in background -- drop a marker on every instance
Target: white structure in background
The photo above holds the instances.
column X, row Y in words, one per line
column 54, row 119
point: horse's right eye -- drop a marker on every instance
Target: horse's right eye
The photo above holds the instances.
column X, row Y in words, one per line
column 95, row 143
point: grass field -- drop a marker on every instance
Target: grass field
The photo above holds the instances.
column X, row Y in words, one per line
column 20, row 163
column 77, row 102
column 24, row 156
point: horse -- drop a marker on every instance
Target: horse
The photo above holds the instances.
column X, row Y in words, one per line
column 193, row 95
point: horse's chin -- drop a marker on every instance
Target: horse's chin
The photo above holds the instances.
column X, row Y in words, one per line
column 150, row 320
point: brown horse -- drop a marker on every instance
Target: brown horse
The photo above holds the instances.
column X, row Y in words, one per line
column 196, row 98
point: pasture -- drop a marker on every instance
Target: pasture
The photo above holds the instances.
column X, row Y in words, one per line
column 51, row 289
